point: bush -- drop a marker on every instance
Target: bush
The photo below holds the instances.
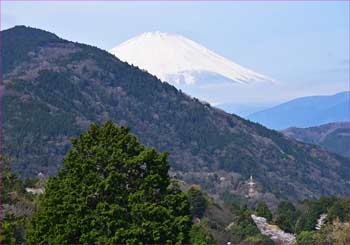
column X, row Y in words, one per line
column 200, row 235
column 258, row 239
column 306, row 237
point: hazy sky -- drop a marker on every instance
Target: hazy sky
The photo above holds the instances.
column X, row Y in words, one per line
column 303, row 45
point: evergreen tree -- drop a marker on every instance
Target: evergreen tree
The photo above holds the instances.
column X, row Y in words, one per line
column 263, row 210
column 301, row 225
column 112, row 189
column 308, row 220
column 336, row 211
column 326, row 202
column 286, row 216
column 243, row 225
column 198, row 202
column 16, row 205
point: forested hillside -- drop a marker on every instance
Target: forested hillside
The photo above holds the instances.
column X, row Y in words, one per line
column 112, row 189
column 334, row 137
column 54, row 89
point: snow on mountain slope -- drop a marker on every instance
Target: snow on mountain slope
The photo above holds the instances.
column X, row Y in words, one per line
column 178, row 60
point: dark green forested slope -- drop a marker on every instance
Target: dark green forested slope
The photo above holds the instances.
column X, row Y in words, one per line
column 54, row 89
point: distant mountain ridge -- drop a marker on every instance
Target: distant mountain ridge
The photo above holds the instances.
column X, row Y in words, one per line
column 54, row 89
column 334, row 137
column 306, row 112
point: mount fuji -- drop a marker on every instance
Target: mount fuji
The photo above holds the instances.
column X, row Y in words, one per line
column 188, row 66
column 177, row 59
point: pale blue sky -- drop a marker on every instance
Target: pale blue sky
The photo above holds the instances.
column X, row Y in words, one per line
column 303, row 45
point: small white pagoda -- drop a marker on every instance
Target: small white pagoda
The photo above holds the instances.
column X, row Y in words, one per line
column 251, row 190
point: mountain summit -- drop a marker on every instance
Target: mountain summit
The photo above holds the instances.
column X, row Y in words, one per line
column 179, row 60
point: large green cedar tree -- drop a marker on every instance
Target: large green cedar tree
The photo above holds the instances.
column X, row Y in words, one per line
column 112, row 189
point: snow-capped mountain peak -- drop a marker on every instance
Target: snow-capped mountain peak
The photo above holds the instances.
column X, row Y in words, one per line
column 179, row 60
